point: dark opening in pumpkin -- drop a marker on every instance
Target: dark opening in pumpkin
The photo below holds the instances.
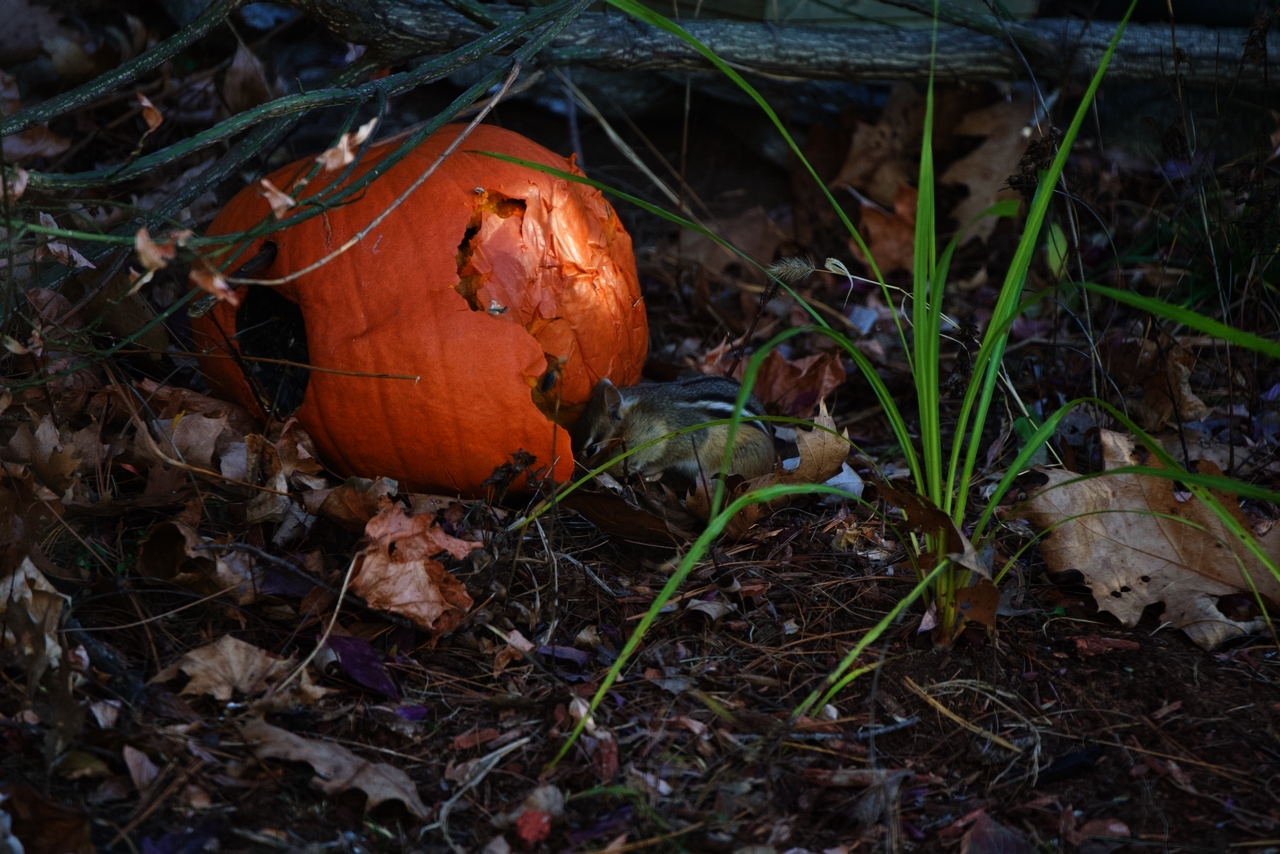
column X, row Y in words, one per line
column 270, row 327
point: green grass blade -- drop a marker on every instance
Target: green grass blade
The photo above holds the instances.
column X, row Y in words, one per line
column 927, row 304
column 1189, row 318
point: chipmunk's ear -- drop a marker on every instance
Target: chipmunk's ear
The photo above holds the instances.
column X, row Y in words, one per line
column 612, row 399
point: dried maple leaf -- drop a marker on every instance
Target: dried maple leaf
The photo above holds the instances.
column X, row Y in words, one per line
column 891, row 237
column 337, row 769
column 228, row 666
column 396, row 572
column 1127, row 536
column 232, row 666
column 986, row 169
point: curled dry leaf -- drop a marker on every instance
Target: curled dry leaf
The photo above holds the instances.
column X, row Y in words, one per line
column 337, row 769
column 343, row 152
column 1136, row 544
column 353, row 503
column 18, row 185
column 211, row 281
column 30, row 608
column 279, row 200
column 396, row 572
column 154, row 256
column 59, row 249
column 150, row 114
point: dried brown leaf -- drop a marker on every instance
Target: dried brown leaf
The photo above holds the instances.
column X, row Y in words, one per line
column 45, row 826
column 822, row 452
column 986, row 169
column 226, row 667
column 279, row 200
column 881, row 157
column 142, row 770
column 791, row 387
column 1126, row 535
column 891, row 237
column 211, row 281
column 150, row 114
column 154, row 256
column 396, row 572
column 30, row 608
column 246, row 85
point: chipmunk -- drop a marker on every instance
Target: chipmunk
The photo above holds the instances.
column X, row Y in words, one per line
column 619, row 419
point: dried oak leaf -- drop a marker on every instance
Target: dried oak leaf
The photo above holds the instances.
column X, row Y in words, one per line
column 397, row 573
column 337, row 769
column 753, row 231
column 791, row 387
column 1126, row 535
column 986, row 169
column 881, row 156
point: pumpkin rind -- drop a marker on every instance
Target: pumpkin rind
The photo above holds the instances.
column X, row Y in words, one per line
column 553, row 281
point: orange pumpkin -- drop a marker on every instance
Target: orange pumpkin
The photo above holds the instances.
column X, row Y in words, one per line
column 508, row 291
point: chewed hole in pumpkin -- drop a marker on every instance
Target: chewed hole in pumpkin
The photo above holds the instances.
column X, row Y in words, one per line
column 488, row 222
column 273, row 345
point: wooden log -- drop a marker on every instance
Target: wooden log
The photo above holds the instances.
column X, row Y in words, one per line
column 1055, row 49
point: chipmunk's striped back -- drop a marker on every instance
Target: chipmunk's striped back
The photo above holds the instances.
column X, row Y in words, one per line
column 620, row 420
